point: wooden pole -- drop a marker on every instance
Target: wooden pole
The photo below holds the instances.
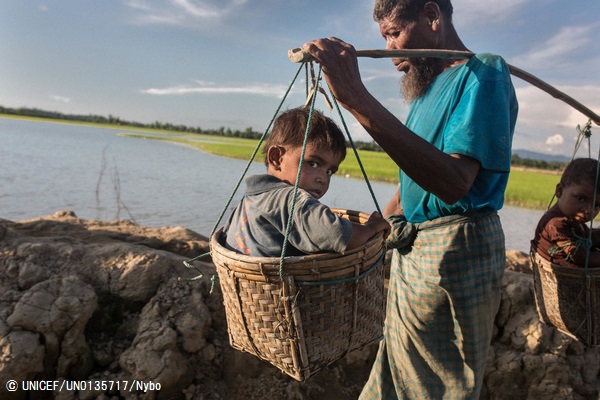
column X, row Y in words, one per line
column 299, row 55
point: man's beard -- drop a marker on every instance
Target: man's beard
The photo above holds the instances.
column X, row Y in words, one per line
column 418, row 78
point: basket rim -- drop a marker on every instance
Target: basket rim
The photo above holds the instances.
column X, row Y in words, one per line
column 574, row 270
column 357, row 252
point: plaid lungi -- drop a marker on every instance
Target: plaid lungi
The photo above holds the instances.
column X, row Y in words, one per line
column 444, row 292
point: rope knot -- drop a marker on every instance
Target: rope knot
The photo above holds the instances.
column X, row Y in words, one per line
column 316, row 87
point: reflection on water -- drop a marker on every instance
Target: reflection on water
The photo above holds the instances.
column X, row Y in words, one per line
column 95, row 173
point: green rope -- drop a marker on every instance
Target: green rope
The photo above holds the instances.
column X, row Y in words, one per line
column 583, row 134
column 290, row 221
column 362, row 168
column 306, row 78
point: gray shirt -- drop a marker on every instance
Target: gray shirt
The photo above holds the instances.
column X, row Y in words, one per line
column 257, row 226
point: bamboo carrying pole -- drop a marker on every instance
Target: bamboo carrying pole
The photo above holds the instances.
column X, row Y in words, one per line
column 299, row 55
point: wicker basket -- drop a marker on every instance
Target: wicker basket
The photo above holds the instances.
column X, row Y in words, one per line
column 568, row 298
column 325, row 306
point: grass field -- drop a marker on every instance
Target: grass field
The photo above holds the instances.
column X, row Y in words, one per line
column 529, row 189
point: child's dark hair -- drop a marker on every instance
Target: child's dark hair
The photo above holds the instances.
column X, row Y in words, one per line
column 290, row 127
column 581, row 171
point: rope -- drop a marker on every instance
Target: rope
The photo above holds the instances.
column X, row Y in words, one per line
column 362, row 169
column 290, row 222
column 583, row 134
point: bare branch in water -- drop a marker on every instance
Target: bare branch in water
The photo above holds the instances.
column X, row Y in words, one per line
column 116, row 180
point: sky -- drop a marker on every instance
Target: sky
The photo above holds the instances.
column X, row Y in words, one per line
column 224, row 63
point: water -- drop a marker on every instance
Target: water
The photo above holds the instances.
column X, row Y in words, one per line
column 48, row 167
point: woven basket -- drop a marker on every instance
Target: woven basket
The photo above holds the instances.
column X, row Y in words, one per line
column 325, row 306
column 568, row 298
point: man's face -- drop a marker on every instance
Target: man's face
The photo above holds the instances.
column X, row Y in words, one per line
column 418, row 72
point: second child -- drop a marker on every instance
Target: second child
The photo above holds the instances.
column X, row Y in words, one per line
column 562, row 233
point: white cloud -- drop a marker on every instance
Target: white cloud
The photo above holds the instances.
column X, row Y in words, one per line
column 538, row 107
column 183, row 12
column 60, row 99
column 567, row 41
column 203, row 87
column 555, row 140
column 542, row 117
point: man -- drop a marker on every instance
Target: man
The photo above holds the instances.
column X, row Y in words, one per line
column 454, row 156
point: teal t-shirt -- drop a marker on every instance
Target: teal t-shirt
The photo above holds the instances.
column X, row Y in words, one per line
column 470, row 109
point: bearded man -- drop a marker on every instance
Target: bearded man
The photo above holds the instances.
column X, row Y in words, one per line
column 453, row 153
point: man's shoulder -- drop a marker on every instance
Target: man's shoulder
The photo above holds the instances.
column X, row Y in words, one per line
column 488, row 61
column 489, row 57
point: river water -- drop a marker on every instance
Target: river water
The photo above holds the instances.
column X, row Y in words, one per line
column 46, row 167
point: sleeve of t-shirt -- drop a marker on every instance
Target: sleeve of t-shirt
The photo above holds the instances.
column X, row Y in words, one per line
column 317, row 229
column 480, row 125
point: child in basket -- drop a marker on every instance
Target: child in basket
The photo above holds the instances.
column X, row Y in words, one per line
column 562, row 233
column 257, row 226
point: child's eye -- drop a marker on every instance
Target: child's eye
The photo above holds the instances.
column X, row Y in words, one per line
column 313, row 164
column 331, row 171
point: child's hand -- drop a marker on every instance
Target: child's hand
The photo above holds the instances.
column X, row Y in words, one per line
column 361, row 233
column 378, row 224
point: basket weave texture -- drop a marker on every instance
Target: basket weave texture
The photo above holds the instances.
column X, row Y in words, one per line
column 313, row 314
column 568, row 298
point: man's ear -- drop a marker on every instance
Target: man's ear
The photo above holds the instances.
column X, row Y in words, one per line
column 274, row 155
column 559, row 190
column 432, row 12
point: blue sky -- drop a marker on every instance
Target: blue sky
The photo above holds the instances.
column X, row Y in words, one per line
column 213, row 63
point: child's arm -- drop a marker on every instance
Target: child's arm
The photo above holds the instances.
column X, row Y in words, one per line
column 578, row 256
column 362, row 233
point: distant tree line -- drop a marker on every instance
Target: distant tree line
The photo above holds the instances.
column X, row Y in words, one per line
column 537, row 164
column 248, row 133
column 112, row 120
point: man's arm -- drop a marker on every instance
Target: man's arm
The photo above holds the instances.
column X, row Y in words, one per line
column 394, row 206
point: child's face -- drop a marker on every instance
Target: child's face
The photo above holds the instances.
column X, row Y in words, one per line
column 575, row 201
column 318, row 167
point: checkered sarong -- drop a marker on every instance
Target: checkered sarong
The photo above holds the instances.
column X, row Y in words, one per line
column 444, row 291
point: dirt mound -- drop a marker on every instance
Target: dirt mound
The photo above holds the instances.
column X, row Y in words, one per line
column 91, row 303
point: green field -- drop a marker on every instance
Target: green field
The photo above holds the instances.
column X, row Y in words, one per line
column 529, row 189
